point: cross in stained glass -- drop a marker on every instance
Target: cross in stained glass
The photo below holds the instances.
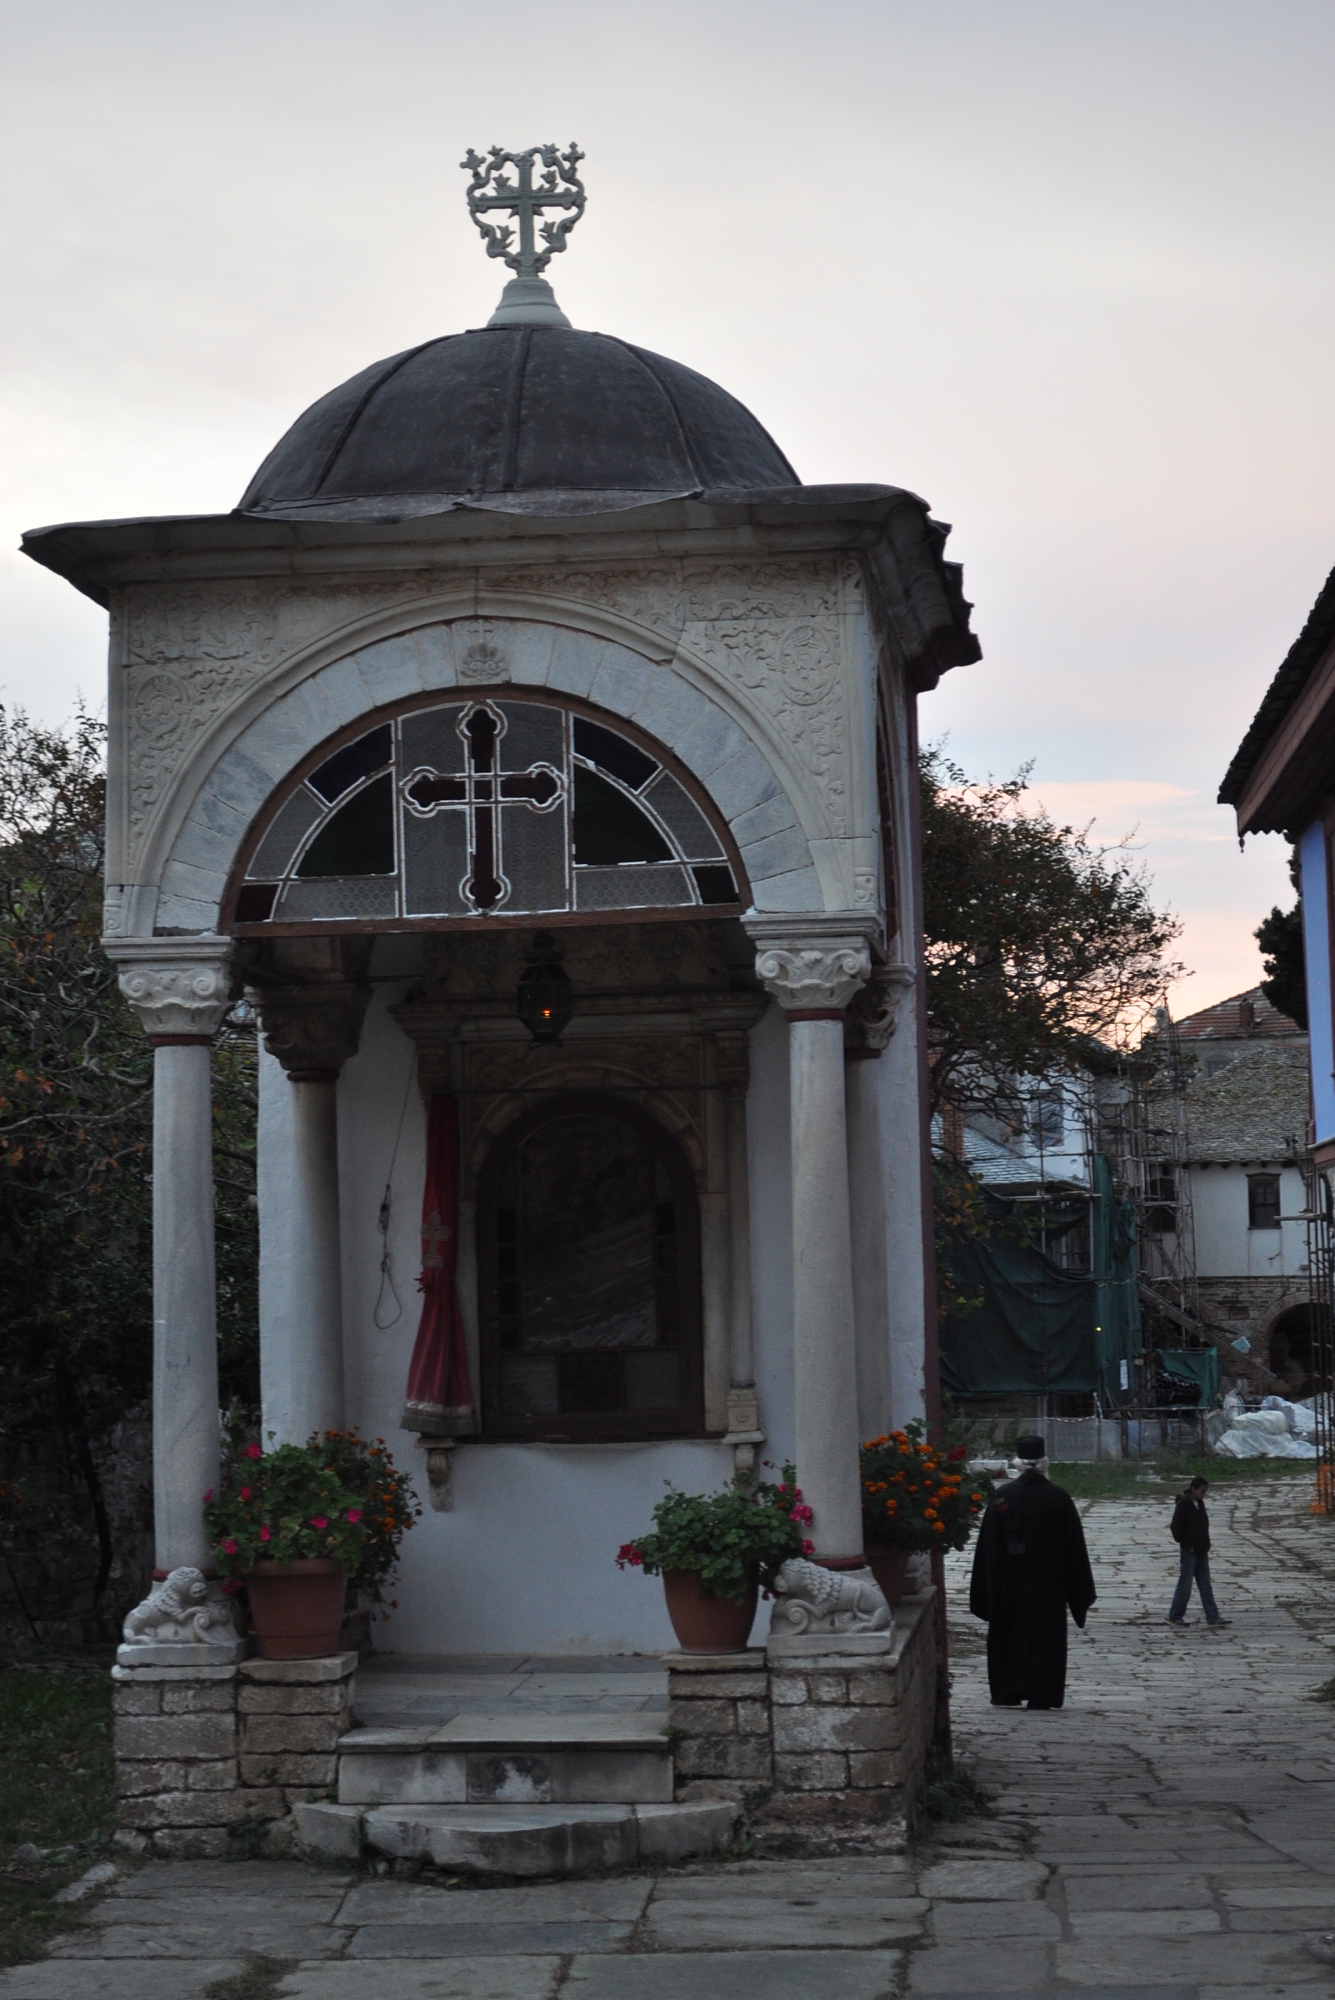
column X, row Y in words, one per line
column 482, row 787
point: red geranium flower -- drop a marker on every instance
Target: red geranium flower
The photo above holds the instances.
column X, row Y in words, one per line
column 246, row 1492
column 229, row 1548
column 264, row 1534
column 319, row 1521
column 354, row 1513
column 253, row 1451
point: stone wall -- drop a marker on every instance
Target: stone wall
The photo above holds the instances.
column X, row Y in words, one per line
column 211, row 1760
column 813, row 1746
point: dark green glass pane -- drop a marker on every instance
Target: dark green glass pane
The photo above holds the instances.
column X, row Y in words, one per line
column 609, row 827
column 359, row 838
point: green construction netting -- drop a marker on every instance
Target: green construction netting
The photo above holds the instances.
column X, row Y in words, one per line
column 1195, row 1364
column 1042, row 1330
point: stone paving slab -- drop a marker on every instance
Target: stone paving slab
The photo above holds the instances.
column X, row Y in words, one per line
column 615, row 1897
column 1020, row 1967
column 849, row 1926
column 436, row 1941
column 136, row 1980
column 274, row 1939
column 401, row 1979
column 756, row 1975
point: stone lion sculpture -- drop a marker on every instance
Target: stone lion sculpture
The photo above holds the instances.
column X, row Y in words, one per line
column 808, row 1597
column 181, row 1611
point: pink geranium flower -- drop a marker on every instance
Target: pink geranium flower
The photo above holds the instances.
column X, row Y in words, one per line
column 808, row 1548
column 265, row 1534
column 253, row 1451
column 319, row 1521
column 208, row 1496
column 229, row 1548
column 354, row 1513
column 803, row 1514
column 246, row 1492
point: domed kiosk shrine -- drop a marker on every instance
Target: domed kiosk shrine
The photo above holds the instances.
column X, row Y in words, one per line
column 536, row 754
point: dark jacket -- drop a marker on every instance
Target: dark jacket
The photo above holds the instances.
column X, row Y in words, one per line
column 1191, row 1525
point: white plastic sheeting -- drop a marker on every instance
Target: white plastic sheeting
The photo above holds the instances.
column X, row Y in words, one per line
column 1277, row 1430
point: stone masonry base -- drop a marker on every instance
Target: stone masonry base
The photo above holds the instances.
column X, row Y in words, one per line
column 815, row 1750
column 210, row 1761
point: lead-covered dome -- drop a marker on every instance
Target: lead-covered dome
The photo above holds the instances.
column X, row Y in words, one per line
column 524, row 419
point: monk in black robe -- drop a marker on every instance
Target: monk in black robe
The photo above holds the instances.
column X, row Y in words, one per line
column 1030, row 1567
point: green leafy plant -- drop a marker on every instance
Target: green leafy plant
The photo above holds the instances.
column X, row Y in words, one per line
column 389, row 1504
column 748, row 1530
column 916, row 1497
column 285, row 1506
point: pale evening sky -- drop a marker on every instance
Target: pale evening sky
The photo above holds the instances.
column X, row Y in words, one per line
column 1065, row 269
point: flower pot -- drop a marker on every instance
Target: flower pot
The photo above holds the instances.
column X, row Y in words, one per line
column 889, row 1565
column 707, row 1624
column 297, row 1607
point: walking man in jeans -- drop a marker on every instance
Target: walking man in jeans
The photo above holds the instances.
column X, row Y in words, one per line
column 1191, row 1532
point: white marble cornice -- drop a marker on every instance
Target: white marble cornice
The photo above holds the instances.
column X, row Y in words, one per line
column 176, row 986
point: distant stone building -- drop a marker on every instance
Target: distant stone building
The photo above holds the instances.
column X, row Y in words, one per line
column 1246, row 1106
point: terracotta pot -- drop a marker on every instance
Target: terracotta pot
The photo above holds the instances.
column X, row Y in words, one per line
column 297, row 1607
column 889, row 1566
column 707, row 1624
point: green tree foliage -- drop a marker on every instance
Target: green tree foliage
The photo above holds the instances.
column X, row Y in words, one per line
column 1038, row 941
column 76, row 1108
column 1281, row 940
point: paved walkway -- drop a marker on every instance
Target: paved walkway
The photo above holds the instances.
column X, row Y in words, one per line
column 1169, row 1835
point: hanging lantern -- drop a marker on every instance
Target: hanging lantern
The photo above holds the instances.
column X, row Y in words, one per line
column 546, row 997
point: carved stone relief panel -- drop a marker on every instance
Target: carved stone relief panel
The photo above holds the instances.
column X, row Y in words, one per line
column 190, row 652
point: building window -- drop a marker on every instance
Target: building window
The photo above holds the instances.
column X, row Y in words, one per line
column 1263, row 1201
column 490, row 807
column 1161, row 1199
column 589, row 1277
column 1047, row 1118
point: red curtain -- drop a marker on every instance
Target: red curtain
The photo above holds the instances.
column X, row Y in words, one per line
column 438, row 1389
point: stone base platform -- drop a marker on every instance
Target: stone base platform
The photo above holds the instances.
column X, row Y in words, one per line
column 211, row 1760
column 519, row 1840
column 509, row 1758
column 816, row 1749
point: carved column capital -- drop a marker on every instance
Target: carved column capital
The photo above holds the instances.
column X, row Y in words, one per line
column 873, row 1013
column 312, row 1027
column 812, row 964
column 179, row 988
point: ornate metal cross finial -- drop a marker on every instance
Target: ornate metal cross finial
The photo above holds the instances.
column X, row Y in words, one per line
column 528, row 299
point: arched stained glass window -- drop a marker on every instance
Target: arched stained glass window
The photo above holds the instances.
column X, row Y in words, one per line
column 489, row 807
column 588, row 1277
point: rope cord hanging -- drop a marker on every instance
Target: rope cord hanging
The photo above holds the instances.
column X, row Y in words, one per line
column 383, row 1221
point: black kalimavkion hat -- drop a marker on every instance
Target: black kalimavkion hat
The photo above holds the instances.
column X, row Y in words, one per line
column 1030, row 1447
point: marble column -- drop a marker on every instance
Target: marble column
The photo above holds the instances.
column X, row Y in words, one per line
column 813, row 973
column 885, row 1171
column 310, row 1029
column 180, row 989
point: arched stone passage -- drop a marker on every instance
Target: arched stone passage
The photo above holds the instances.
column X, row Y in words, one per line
column 758, row 795
column 1294, row 1352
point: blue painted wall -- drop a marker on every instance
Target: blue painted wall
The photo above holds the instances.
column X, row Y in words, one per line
column 1316, row 951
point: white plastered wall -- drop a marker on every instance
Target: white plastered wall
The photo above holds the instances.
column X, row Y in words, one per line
column 525, row 1560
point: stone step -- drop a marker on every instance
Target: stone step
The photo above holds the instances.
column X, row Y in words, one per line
column 525, row 1840
column 537, row 1758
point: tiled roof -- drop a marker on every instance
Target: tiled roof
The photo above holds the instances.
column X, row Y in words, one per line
column 1302, row 656
column 1256, row 1109
column 1246, row 1016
